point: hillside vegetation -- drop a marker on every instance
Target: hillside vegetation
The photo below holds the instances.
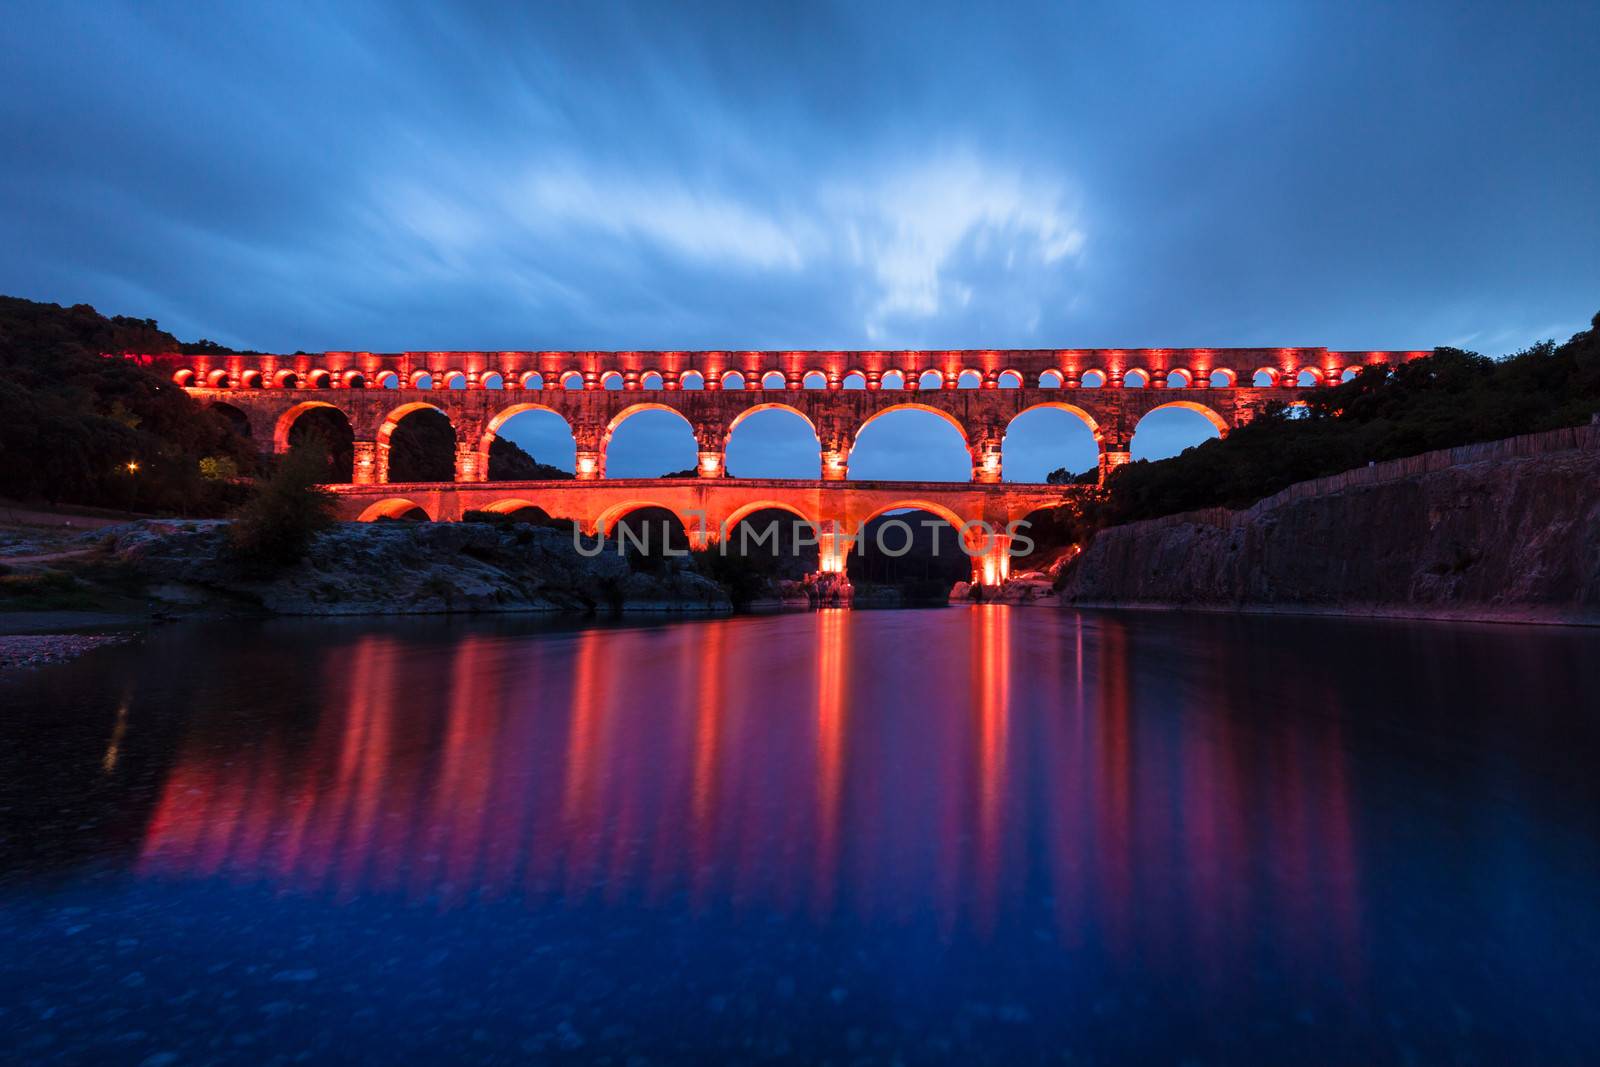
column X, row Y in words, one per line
column 1447, row 399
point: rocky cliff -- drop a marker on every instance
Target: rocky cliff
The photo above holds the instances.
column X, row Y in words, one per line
column 1507, row 530
column 397, row 568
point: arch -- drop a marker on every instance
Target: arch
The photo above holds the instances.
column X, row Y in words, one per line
column 1306, row 378
column 1222, row 378
column 387, row 380
column 651, row 380
column 607, row 520
column 571, row 380
column 1093, row 378
column 555, row 449
column 336, row 435
column 732, row 380
column 854, row 380
column 969, row 379
column 906, row 451
column 510, row 506
column 319, row 379
column 892, row 379
column 454, row 379
column 930, row 379
column 395, row 507
column 250, row 379
column 354, row 379
column 922, row 577
column 1349, row 374
column 785, row 451
column 1009, row 379
column 774, row 379
column 184, row 377
column 669, row 446
column 531, row 381
column 421, row 380
column 1173, row 436
column 416, row 464
column 1179, row 378
column 1032, row 449
column 217, row 379
column 1050, row 379
column 236, row 417
column 611, row 381
column 493, row 380
column 1264, row 378
column 691, row 379
column 1136, row 378
column 286, row 379
column 744, row 511
column 814, row 379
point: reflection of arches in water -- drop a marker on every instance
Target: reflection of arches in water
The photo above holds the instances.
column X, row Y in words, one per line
column 1171, row 428
column 772, row 441
column 324, row 428
column 910, row 442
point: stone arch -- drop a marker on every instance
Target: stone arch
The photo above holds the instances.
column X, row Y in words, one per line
column 813, row 449
column 184, row 377
column 250, row 379
column 454, row 379
column 1141, row 438
column 866, row 562
column 930, row 379
column 235, row 416
column 1211, row 414
column 286, row 421
column 1264, row 377
column 286, row 379
column 969, row 379
column 612, row 381
column 1179, row 378
column 860, row 465
column 651, row 380
column 1136, row 378
column 1297, row 377
column 1050, row 379
column 395, row 507
column 1009, row 379
column 531, row 381
column 744, row 511
column 504, row 415
column 421, row 379
column 1222, row 378
column 1093, row 378
column 217, row 379
column 492, row 380
column 731, row 379
column 571, row 380
column 1009, row 462
column 339, row 436
column 854, row 380
column 898, row 377
column 319, row 379
column 814, row 379
column 629, row 412
column 607, row 520
column 354, row 379
column 391, row 423
column 691, row 379
column 774, row 379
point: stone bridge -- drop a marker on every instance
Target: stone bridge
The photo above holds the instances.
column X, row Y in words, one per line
column 979, row 392
column 837, row 393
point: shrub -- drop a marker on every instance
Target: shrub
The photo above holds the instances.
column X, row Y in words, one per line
column 276, row 527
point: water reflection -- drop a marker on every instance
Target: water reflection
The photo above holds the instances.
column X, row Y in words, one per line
column 1085, row 817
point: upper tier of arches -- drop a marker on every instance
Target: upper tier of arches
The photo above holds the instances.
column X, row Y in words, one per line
column 768, row 371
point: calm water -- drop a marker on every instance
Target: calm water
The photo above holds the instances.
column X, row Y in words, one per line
column 969, row 835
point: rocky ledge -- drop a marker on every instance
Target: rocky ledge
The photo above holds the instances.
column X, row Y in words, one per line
column 1503, row 531
column 399, row 568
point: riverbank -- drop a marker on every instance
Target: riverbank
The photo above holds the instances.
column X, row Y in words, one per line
column 1504, row 531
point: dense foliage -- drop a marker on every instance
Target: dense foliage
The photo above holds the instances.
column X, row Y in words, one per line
column 1449, row 398
column 275, row 528
column 76, row 427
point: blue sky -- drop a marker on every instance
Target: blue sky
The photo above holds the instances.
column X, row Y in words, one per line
column 807, row 176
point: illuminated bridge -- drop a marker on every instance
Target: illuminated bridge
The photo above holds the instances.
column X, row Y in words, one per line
column 838, row 394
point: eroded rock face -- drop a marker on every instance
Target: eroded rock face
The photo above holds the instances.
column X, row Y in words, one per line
column 406, row 568
column 1514, row 538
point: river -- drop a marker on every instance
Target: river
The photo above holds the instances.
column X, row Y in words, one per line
column 964, row 835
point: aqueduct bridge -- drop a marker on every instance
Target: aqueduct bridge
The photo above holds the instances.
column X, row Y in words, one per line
column 979, row 392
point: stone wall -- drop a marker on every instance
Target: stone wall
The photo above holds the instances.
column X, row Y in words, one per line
column 1503, row 530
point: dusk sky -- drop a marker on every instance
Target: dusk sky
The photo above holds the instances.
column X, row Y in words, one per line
column 803, row 176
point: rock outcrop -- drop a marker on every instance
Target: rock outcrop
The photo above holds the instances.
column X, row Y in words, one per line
column 1507, row 530
column 402, row 568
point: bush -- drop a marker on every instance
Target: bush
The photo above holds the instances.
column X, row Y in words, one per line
column 277, row 526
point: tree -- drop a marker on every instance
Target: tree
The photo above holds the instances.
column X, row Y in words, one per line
column 276, row 527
